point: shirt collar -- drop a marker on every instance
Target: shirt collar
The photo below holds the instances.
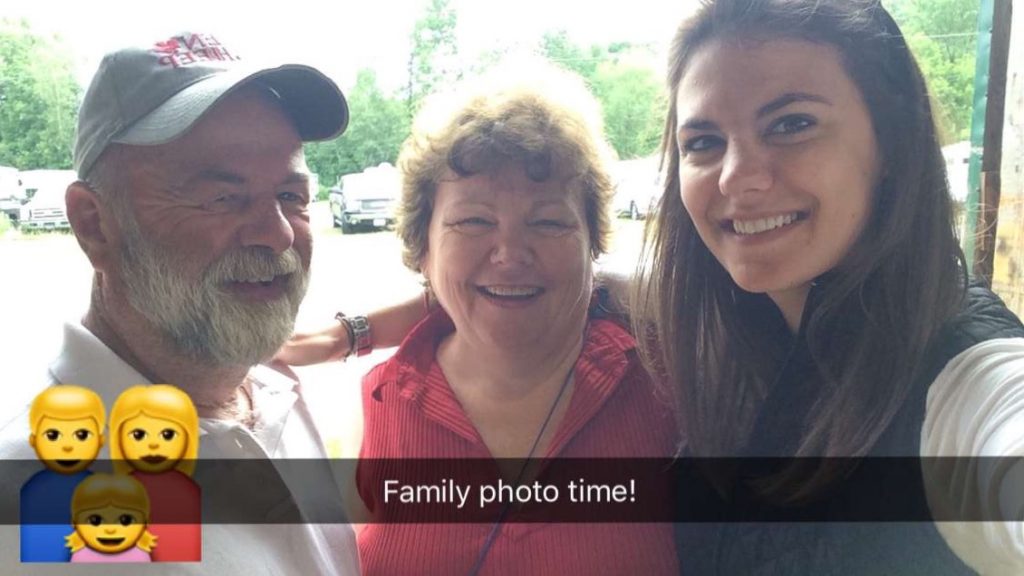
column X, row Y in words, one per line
column 86, row 361
column 605, row 348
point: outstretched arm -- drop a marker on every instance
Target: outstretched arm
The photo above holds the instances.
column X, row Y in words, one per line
column 975, row 412
column 388, row 326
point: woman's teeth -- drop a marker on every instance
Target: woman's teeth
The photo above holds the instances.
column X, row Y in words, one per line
column 764, row 224
column 511, row 291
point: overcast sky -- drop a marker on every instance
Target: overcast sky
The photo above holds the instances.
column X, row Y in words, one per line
column 342, row 36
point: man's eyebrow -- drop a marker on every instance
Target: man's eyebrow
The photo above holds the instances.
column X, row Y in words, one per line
column 220, row 176
column 789, row 98
column 215, row 176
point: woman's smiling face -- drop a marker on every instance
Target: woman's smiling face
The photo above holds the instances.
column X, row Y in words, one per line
column 778, row 161
column 509, row 258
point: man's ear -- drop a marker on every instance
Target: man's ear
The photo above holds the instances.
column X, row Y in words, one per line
column 32, row 440
column 93, row 225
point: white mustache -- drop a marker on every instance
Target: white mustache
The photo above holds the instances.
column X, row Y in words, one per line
column 253, row 263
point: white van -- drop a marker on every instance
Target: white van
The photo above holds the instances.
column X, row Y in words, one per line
column 12, row 194
column 45, row 208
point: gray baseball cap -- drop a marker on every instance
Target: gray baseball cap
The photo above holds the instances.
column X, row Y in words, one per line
column 152, row 95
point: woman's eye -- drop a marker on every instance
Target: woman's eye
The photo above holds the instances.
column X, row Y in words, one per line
column 791, row 124
column 701, row 143
column 126, row 519
column 138, row 434
column 168, row 434
column 473, row 222
column 82, row 435
column 95, row 519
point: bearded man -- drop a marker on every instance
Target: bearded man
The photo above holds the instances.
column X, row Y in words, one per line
column 192, row 207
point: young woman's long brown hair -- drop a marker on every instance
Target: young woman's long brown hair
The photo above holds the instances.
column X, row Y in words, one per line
column 718, row 347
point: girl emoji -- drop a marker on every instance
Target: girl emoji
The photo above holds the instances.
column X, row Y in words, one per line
column 154, row 436
column 110, row 513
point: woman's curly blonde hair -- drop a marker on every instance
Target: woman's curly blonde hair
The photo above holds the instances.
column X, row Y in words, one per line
column 532, row 114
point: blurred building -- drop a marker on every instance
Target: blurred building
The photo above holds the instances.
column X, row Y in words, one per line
column 1008, row 266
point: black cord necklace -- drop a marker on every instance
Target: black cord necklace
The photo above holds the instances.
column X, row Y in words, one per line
column 493, row 534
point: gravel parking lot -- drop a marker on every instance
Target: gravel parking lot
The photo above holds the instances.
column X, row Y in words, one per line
column 44, row 280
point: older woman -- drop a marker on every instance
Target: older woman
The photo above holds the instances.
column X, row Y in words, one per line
column 504, row 210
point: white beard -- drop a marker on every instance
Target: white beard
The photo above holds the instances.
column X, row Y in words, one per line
column 201, row 320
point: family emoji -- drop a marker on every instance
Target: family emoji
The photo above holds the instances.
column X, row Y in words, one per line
column 148, row 510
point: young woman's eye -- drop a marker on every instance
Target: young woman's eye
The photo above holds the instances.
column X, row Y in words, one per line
column 791, row 124
column 95, row 519
column 126, row 519
column 138, row 434
column 701, row 143
column 82, row 435
column 168, row 434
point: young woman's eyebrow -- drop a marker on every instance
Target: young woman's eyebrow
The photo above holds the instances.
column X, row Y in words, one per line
column 789, row 98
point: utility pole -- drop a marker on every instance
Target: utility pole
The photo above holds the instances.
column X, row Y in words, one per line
column 994, row 22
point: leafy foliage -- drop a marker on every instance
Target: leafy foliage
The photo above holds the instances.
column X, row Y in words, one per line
column 631, row 95
column 433, row 59
column 378, row 126
column 38, row 100
column 380, row 122
column 943, row 37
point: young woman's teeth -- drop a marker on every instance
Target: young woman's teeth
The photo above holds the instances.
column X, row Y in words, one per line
column 764, row 224
column 511, row 291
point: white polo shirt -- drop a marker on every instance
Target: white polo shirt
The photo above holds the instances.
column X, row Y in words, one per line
column 283, row 429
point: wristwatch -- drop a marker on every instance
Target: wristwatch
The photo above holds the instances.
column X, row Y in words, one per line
column 359, row 333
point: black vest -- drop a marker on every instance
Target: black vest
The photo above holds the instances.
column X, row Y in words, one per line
column 823, row 548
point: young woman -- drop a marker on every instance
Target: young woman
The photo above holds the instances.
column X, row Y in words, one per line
column 806, row 296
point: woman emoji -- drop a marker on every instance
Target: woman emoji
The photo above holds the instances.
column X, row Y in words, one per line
column 154, row 437
column 110, row 513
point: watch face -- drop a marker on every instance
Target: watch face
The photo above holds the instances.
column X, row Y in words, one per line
column 363, row 343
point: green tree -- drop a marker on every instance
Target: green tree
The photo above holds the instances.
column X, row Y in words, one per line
column 433, row 60
column 557, row 47
column 631, row 95
column 38, row 99
column 378, row 124
column 633, row 103
column 942, row 34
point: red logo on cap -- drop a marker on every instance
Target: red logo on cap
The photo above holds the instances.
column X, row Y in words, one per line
column 170, row 46
column 189, row 49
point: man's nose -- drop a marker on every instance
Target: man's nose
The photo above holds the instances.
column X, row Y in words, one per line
column 746, row 167
column 268, row 226
column 67, row 448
